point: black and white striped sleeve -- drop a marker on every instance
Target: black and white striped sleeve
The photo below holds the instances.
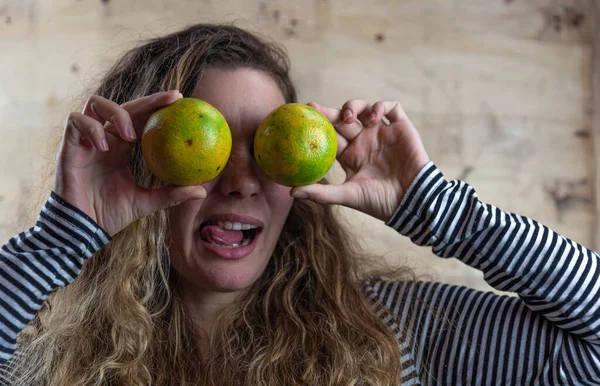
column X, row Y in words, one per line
column 39, row 260
column 549, row 334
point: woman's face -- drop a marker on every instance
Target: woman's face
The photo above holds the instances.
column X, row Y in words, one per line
column 209, row 250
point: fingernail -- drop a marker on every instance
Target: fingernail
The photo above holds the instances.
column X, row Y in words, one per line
column 347, row 114
column 176, row 92
column 130, row 132
column 201, row 193
column 104, row 144
column 300, row 195
column 373, row 116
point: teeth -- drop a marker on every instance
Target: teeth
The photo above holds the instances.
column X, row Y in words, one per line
column 229, row 246
column 236, row 226
column 234, row 245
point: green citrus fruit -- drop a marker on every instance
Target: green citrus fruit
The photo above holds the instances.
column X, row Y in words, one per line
column 295, row 145
column 187, row 142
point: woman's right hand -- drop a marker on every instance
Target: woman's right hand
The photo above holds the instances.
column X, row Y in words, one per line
column 92, row 171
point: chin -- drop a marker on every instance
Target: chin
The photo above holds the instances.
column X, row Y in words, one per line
column 205, row 271
column 228, row 280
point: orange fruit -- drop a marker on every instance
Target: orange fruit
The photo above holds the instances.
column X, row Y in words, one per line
column 187, row 142
column 295, row 145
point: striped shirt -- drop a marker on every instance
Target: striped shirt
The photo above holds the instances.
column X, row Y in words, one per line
column 448, row 335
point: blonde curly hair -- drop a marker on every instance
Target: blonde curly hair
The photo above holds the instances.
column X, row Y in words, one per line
column 306, row 320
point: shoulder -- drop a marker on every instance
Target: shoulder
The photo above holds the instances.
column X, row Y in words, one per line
column 393, row 293
column 414, row 304
column 416, row 300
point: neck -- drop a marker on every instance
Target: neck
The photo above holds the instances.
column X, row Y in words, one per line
column 203, row 308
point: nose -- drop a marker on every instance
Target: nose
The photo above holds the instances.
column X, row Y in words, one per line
column 239, row 178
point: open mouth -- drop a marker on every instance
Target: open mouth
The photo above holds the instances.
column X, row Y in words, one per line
column 228, row 234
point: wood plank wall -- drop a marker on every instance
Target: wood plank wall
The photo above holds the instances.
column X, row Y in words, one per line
column 595, row 82
column 501, row 91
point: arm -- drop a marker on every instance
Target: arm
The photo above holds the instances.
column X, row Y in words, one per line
column 549, row 335
column 36, row 262
column 95, row 196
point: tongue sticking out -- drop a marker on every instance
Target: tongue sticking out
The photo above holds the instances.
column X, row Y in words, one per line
column 215, row 234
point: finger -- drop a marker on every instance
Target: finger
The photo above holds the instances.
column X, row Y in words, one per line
column 345, row 124
column 80, row 126
column 342, row 143
column 152, row 200
column 344, row 194
column 334, row 115
column 141, row 109
column 107, row 111
column 392, row 110
column 360, row 109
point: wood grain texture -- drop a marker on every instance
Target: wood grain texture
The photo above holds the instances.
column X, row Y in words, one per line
column 500, row 91
column 595, row 84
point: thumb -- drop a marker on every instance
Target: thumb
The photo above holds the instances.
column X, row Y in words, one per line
column 343, row 194
column 161, row 198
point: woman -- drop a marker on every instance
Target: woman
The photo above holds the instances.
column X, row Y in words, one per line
column 160, row 298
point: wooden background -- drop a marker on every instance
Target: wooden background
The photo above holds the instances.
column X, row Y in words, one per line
column 504, row 92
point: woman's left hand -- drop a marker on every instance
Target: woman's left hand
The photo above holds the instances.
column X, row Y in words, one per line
column 380, row 159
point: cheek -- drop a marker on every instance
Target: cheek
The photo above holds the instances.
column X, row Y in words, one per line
column 210, row 185
column 181, row 234
column 280, row 201
column 181, row 224
column 181, row 217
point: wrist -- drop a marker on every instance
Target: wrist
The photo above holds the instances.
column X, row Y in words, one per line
column 419, row 187
column 409, row 176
